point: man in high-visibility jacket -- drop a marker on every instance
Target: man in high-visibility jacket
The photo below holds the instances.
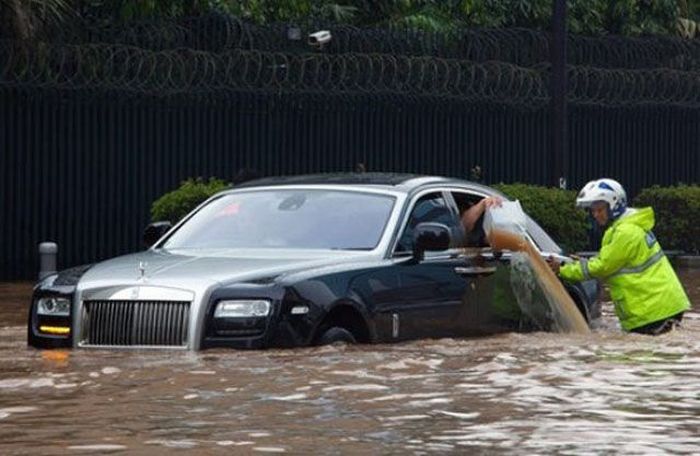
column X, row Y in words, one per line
column 647, row 294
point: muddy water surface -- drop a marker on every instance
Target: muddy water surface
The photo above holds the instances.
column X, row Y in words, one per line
column 602, row 392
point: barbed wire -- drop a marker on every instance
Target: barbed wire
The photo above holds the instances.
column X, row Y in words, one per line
column 620, row 88
column 216, row 32
column 181, row 71
column 111, row 67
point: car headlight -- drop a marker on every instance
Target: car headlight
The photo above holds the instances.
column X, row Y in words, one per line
column 55, row 307
column 242, row 309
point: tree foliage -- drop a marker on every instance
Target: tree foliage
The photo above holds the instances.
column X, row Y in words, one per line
column 594, row 17
column 25, row 19
column 689, row 21
column 677, row 211
column 591, row 17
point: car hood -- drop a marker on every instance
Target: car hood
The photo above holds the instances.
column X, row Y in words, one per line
column 179, row 268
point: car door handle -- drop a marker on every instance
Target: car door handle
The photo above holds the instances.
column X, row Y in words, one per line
column 475, row 270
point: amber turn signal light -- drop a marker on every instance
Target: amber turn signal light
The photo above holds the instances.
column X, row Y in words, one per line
column 58, row 330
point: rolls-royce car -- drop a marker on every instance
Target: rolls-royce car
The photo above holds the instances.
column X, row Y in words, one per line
column 299, row 261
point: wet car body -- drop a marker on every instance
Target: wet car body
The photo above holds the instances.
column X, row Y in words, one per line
column 269, row 293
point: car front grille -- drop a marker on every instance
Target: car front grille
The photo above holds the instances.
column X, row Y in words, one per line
column 135, row 323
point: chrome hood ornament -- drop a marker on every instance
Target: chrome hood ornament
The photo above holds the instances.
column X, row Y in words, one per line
column 142, row 270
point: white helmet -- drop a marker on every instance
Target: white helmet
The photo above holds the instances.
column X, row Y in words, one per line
column 607, row 190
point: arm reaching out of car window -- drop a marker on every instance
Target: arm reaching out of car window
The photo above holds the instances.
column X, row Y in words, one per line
column 471, row 216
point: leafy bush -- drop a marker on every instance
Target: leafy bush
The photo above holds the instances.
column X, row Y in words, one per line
column 590, row 17
column 677, row 211
column 176, row 204
column 555, row 211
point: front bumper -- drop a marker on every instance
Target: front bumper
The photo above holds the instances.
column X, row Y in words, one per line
column 280, row 328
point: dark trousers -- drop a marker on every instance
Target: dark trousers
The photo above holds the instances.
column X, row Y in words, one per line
column 659, row 327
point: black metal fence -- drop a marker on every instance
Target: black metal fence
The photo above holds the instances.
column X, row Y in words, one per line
column 91, row 134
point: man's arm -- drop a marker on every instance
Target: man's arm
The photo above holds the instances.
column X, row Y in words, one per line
column 611, row 258
column 471, row 215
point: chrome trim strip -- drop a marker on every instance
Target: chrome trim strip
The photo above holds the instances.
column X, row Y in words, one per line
column 475, row 270
column 134, row 347
column 137, row 293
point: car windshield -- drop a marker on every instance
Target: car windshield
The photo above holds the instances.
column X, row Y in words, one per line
column 296, row 219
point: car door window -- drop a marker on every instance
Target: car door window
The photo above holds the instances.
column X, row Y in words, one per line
column 429, row 208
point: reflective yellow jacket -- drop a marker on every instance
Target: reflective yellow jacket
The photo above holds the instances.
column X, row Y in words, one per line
column 643, row 285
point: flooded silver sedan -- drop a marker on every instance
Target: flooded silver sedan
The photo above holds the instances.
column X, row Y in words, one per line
column 537, row 393
column 302, row 261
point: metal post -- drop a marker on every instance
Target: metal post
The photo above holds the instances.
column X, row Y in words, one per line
column 559, row 140
column 47, row 259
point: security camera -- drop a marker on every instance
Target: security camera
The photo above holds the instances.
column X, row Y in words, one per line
column 319, row 38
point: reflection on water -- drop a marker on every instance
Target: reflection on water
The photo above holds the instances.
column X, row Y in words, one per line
column 603, row 392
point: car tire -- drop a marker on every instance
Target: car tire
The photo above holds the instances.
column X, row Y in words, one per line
column 335, row 335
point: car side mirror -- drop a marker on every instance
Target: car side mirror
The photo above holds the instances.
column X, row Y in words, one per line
column 430, row 236
column 155, row 231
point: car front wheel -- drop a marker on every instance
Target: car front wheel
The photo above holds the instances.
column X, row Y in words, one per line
column 334, row 335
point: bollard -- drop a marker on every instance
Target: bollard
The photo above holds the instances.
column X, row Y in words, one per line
column 47, row 259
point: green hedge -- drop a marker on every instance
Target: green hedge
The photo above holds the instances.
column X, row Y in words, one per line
column 176, row 204
column 677, row 212
column 555, row 210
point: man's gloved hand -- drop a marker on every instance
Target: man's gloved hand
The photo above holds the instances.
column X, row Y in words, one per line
column 553, row 264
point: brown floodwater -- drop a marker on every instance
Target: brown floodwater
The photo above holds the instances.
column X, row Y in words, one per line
column 567, row 317
column 540, row 393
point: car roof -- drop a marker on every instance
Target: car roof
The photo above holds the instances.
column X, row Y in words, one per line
column 395, row 181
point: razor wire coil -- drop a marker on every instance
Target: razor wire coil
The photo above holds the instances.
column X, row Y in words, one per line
column 179, row 71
